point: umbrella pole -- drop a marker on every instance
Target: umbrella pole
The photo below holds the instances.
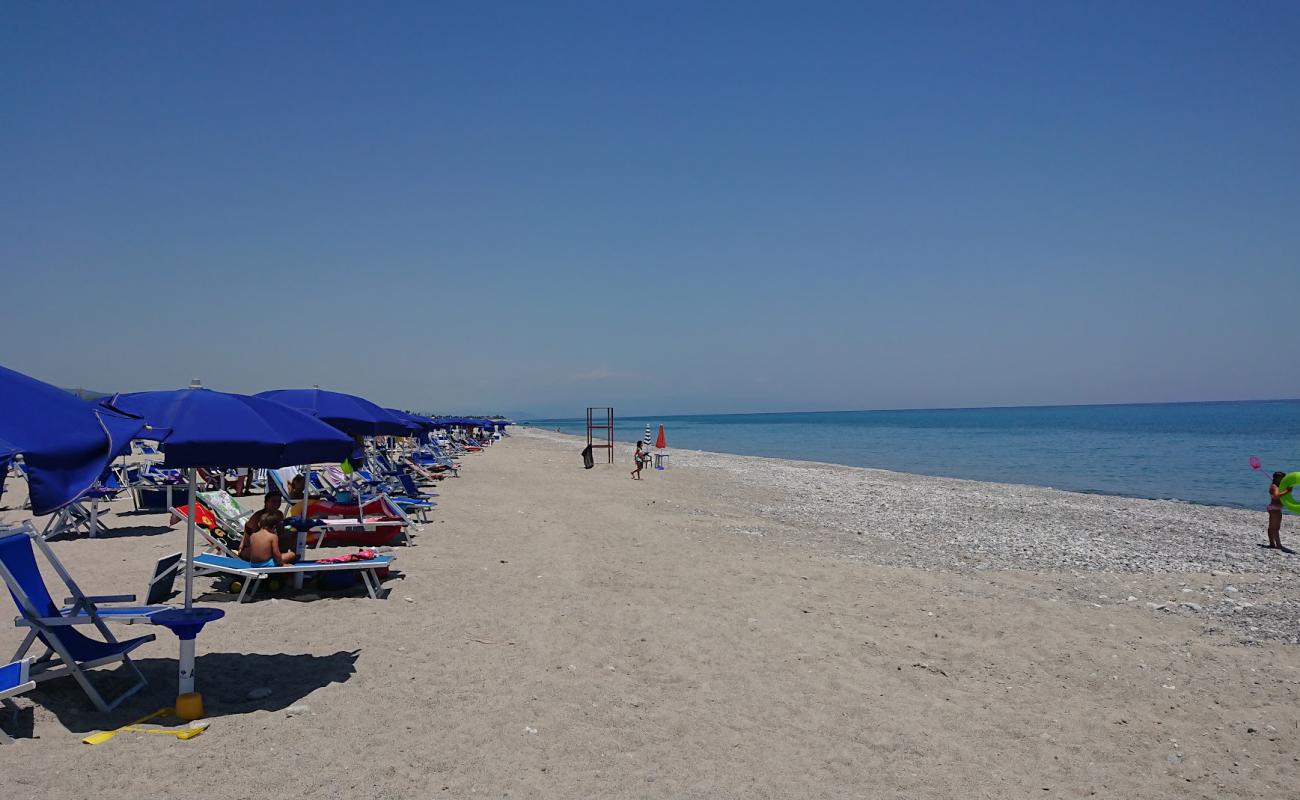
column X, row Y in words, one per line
column 189, row 554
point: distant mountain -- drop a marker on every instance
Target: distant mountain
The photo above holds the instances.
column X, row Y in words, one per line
column 87, row 394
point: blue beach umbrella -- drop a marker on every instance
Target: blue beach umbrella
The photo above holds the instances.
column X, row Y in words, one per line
column 349, row 413
column 219, row 429
column 415, row 422
column 66, row 444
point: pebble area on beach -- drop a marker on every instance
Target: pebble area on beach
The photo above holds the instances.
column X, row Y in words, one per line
column 1207, row 558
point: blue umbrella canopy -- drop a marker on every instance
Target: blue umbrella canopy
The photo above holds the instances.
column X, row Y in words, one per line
column 415, row 422
column 349, row 413
column 65, row 443
column 219, row 429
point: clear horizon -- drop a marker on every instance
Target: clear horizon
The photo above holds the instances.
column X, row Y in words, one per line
column 530, row 210
column 887, row 410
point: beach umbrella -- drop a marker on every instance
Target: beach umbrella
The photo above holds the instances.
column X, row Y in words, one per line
column 662, row 441
column 66, row 444
column 414, row 422
column 351, row 414
column 219, row 429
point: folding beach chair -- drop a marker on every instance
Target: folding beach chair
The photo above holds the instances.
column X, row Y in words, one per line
column 229, row 513
column 222, row 537
column 14, row 681
column 67, row 650
column 409, row 489
column 162, row 584
column 216, row 539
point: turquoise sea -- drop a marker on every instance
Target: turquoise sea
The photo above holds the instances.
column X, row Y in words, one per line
column 1196, row 452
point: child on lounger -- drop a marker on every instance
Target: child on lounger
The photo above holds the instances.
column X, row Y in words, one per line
column 263, row 546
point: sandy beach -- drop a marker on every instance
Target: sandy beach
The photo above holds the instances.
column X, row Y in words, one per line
column 730, row 627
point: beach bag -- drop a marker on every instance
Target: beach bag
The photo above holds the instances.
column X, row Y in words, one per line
column 588, row 460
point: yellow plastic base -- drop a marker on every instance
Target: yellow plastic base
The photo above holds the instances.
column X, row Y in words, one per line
column 189, row 707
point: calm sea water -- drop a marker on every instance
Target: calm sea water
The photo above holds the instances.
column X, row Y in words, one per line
column 1197, row 452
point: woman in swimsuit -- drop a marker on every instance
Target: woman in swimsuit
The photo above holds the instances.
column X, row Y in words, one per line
column 1275, row 512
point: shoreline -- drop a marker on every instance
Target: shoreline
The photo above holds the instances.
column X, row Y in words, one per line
column 1241, row 520
column 1098, row 492
column 836, row 464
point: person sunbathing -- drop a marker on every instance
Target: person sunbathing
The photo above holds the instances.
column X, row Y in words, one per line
column 271, row 502
column 263, row 546
column 297, row 484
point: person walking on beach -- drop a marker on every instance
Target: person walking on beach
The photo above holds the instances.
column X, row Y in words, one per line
column 1275, row 513
column 638, row 460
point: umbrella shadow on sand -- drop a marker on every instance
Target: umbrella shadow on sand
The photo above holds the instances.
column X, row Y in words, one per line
column 224, row 679
column 121, row 532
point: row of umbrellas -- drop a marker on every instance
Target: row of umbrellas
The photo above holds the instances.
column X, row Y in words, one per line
column 67, row 443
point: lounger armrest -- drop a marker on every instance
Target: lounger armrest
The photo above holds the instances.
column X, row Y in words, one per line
column 55, row 622
column 107, row 598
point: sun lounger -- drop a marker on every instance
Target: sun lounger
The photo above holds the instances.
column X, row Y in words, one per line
column 14, row 680
column 162, row 584
column 222, row 537
column 207, row 564
column 68, row 651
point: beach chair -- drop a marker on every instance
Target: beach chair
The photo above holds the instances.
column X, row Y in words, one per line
column 412, row 491
column 423, row 474
column 132, row 480
column 223, row 535
column 67, row 650
column 14, row 680
column 228, row 512
column 162, row 584
column 219, row 541
column 252, row 575
column 83, row 513
column 224, row 538
column 391, row 488
column 155, row 488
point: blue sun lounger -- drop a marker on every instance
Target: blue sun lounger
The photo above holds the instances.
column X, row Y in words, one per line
column 209, row 563
column 67, row 650
column 14, row 681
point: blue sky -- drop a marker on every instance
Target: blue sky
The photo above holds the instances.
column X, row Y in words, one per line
column 668, row 207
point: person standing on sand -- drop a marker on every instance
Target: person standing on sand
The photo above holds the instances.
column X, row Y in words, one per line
column 1275, row 513
column 638, row 459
